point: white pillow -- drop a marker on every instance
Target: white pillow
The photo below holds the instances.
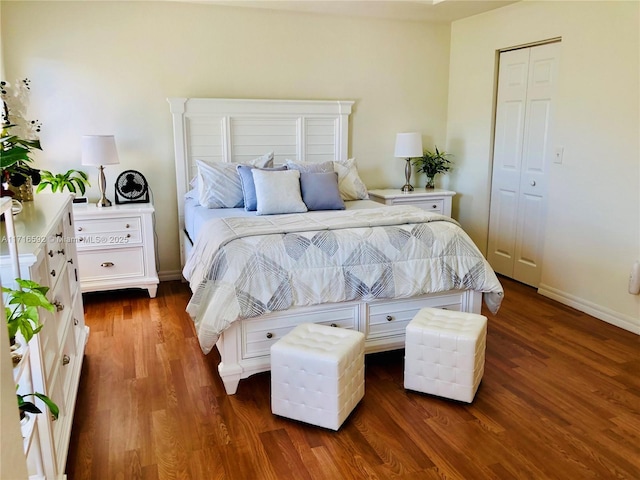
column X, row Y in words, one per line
column 278, row 192
column 218, row 183
column 349, row 182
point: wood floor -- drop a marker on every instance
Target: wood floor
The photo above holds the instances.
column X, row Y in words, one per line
column 560, row 399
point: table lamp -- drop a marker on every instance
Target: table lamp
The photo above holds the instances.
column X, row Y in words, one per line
column 408, row 146
column 100, row 150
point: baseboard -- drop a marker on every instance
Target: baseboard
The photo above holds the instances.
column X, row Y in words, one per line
column 169, row 275
column 614, row 318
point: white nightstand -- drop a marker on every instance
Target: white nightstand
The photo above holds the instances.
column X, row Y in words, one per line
column 434, row 200
column 116, row 247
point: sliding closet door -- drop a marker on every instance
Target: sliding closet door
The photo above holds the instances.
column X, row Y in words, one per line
column 522, row 153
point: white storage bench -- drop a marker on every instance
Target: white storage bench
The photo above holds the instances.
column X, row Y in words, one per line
column 317, row 374
column 445, row 352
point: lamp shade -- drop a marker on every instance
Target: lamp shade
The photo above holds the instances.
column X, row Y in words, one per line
column 99, row 150
column 408, row 145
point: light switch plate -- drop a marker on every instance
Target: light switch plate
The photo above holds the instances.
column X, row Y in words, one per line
column 557, row 158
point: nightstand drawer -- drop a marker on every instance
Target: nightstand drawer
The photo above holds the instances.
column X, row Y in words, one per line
column 435, row 206
column 109, row 231
column 111, row 263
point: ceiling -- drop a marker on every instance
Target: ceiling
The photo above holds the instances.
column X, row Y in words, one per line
column 439, row 11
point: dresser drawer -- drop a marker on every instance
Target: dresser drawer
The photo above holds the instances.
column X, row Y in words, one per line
column 259, row 336
column 108, row 231
column 391, row 318
column 55, row 252
column 111, row 263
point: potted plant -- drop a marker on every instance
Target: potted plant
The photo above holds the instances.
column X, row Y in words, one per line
column 18, row 140
column 21, row 308
column 26, row 406
column 72, row 180
column 433, row 163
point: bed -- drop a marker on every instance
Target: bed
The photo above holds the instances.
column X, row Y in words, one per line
column 257, row 274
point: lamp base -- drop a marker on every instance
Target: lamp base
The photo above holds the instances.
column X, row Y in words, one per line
column 407, row 173
column 103, row 202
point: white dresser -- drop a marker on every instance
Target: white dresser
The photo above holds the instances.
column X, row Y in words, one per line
column 52, row 362
column 116, row 247
column 433, row 200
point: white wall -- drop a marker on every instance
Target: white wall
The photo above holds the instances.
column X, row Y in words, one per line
column 593, row 223
column 108, row 67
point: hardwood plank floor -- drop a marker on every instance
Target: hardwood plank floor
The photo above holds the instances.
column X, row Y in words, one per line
column 560, row 399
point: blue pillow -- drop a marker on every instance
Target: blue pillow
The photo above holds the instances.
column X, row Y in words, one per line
column 248, row 185
column 320, row 191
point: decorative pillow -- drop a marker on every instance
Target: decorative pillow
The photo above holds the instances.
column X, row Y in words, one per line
column 278, row 192
column 320, row 191
column 248, row 186
column 349, row 182
column 219, row 183
column 310, row 167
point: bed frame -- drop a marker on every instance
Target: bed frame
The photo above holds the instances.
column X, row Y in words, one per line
column 234, row 130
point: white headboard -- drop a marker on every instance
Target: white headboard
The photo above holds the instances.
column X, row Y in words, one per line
column 234, row 130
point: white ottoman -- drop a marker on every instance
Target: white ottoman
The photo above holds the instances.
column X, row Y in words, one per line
column 444, row 353
column 317, row 374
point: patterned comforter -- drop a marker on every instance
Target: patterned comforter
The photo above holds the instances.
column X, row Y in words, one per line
column 243, row 267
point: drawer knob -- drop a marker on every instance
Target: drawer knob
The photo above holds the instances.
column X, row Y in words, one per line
column 128, row 235
column 127, row 226
column 334, row 324
column 66, row 359
column 269, row 335
column 81, row 239
column 79, row 229
column 51, row 253
column 106, row 264
column 389, row 318
column 75, row 322
column 434, row 206
column 70, row 261
column 59, row 305
column 52, row 273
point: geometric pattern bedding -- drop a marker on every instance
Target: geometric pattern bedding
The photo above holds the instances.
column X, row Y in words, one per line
column 243, row 267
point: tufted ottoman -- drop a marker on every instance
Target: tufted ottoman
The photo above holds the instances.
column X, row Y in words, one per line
column 444, row 353
column 317, row 374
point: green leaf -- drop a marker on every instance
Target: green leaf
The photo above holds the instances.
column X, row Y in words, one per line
column 55, row 411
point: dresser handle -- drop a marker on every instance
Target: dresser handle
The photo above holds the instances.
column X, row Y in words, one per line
column 59, row 305
column 51, row 253
column 66, row 359
column 61, row 252
column 70, row 261
column 106, row 264
column 52, row 273
column 269, row 335
column 334, row 324
column 59, row 235
column 389, row 318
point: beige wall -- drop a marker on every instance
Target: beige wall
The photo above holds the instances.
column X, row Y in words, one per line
column 109, row 67
column 593, row 220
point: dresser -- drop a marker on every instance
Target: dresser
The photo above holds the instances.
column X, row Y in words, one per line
column 433, row 200
column 116, row 247
column 52, row 361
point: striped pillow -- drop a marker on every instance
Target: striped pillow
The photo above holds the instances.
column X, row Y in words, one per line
column 219, row 184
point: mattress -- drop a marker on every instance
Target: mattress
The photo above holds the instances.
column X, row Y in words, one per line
column 195, row 216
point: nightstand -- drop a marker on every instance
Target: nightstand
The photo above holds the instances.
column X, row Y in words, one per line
column 434, row 200
column 116, row 247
